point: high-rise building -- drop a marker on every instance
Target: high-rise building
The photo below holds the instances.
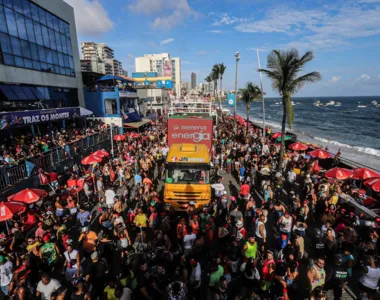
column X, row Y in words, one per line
column 193, row 80
column 165, row 66
column 99, row 58
column 39, row 57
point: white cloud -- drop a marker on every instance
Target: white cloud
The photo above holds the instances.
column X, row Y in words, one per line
column 364, row 77
column 131, row 56
column 167, row 41
column 226, row 19
column 91, row 18
column 334, row 79
column 215, row 31
column 202, row 52
column 179, row 11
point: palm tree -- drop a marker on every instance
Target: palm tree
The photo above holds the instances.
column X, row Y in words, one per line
column 251, row 93
column 215, row 77
column 222, row 68
column 283, row 69
column 208, row 79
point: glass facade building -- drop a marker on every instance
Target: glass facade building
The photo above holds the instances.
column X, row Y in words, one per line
column 33, row 38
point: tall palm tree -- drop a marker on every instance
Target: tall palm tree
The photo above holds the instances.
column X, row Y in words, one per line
column 222, row 68
column 283, row 68
column 208, row 79
column 215, row 77
column 251, row 93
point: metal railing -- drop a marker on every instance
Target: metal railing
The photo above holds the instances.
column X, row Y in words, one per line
column 9, row 176
column 190, row 107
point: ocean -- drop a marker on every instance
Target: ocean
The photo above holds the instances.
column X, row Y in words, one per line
column 353, row 127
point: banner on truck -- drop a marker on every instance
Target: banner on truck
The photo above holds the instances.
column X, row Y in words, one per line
column 190, row 131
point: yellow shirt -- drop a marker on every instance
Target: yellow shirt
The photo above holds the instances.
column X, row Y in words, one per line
column 89, row 241
column 110, row 293
column 140, row 220
column 334, row 200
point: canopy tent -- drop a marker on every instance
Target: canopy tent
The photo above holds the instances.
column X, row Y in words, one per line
column 84, row 112
column 110, row 77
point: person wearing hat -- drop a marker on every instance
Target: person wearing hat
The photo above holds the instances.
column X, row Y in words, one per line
column 40, row 232
column 195, row 279
column 89, row 240
column 96, row 275
column 72, row 262
column 49, row 252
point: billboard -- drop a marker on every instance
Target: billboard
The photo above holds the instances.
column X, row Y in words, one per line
column 190, row 131
column 167, row 67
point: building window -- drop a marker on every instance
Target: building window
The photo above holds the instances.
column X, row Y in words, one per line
column 33, row 38
column 111, row 106
column 158, row 100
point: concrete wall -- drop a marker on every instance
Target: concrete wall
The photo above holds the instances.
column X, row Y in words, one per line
column 10, row 74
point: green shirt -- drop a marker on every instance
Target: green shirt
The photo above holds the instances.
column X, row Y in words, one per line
column 215, row 277
column 49, row 253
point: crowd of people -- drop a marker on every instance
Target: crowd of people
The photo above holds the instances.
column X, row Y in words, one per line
column 273, row 235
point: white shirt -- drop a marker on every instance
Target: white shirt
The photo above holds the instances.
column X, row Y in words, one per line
column 258, row 223
column 371, row 278
column 219, row 189
column 6, row 274
column 110, row 195
column 196, row 275
column 47, row 290
column 188, row 240
column 292, row 176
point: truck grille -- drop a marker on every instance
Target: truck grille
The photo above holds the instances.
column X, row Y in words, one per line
column 187, row 195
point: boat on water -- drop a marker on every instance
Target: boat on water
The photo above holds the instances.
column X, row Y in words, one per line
column 330, row 103
column 374, row 102
column 338, row 104
column 317, row 103
column 362, row 106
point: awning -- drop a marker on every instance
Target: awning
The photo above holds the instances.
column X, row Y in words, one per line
column 24, row 93
column 109, row 78
column 29, row 117
column 137, row 124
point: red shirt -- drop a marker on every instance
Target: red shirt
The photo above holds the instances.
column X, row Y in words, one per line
column 245, row 189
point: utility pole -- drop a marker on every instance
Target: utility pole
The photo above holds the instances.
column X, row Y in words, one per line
column 262, row 94
column 236, row 78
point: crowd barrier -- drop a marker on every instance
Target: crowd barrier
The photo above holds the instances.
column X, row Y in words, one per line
column 11, row 175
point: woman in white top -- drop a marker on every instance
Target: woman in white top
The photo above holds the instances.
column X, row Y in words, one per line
column 368, row 283
column 72, row 262
column 286, row 223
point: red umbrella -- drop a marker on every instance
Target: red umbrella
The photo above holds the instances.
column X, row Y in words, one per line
column 101, row 153
column 373, row 183
column 5, row 213
column 316, row 168
column 15, row 207
column 364, row 173
column 119, row 137
column 29, row 196
column 135, row 135
column 276, row 135
column 338, row 173
column 322, row 154
column 298, row 146
column 91, row 159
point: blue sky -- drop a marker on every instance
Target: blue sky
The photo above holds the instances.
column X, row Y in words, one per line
column 344, row 35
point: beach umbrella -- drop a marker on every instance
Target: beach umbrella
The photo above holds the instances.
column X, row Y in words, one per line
column 5, row 213
column 15, row 207
column 135, row 135
column 364, row 173
column 28, row 196
column 373, row 183
column 319, row 153
column 119, row 137
column 91, row 159
column 339, row 173
column 101, row 153
column 276, row 135
column 286, row 138
column 298, row 146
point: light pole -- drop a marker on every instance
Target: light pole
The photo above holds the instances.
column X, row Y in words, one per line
column 236, row 78
column 262, row 95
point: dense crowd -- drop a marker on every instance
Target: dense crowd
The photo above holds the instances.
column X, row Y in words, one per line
column 274, row 235
column 26, row 146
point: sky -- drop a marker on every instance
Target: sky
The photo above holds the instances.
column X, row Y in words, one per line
column 344, row 36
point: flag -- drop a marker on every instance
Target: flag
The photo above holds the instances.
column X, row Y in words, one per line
column 43, row 179
column 29, row 167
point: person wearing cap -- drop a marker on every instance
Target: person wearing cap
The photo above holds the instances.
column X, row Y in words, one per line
column 195, row 279
column 49, row 252
column 72, row 262
column 6, row 275
column 250, row 248
column 40, row 232
column 89, row 240
column 96, row 275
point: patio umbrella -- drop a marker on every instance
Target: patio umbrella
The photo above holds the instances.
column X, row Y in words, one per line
column 91, row 159
column 15, row 207
column 316, row 167
column 338, row 173
column 319, row 153
column 5, row 214
column 119, row 137
column 101, row 153
column 286, row 138
column 28, row 196
column 276, row 135
column 373, row 183
column 135, row 135
column 298, row 146
column 364, row 173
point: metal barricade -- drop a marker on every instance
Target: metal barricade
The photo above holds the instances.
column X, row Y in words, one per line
column 15, row 174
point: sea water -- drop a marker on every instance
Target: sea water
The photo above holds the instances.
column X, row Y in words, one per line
column 353, row 127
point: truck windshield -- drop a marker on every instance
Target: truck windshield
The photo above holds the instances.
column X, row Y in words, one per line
column 188, row 173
